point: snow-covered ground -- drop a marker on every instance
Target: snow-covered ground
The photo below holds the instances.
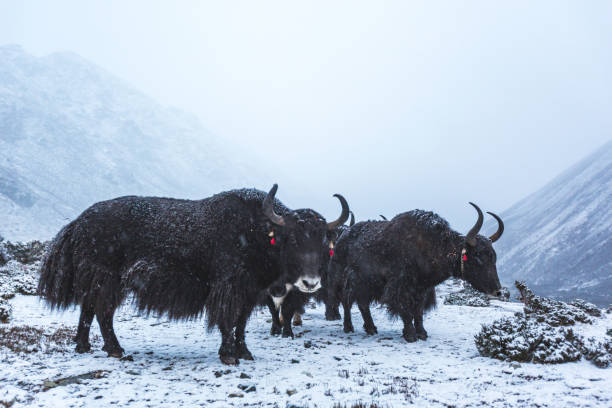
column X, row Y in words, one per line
column 176, row 364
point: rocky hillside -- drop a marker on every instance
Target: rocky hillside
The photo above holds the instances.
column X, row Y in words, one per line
column 72, row 134
column 559, row 239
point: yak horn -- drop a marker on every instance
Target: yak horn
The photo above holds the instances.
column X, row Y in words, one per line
column 500, row 228
column 383, row 217
column 352, row 221
column 268, row 207
column 343, row 216
column 471, row 235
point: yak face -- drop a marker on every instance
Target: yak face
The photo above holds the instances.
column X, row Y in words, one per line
column 478, row 266
column 301, row 249
column 478, row 257
column 301, row 236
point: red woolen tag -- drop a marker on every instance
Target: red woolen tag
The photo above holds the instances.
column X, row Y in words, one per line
column 464, row 257
column 272, row 241
column 331, row 252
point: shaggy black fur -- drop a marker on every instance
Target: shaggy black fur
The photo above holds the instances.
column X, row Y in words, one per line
column 399, row 262
column 179, row 257
column 335, row 282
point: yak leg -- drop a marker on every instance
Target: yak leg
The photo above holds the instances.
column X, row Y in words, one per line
column 241, row 349
column 104, row 314
column 227, row 351
column 418, row 318
column 421, row 333
column 332, row 311
column 287, row 311
column 368, row 323
column 85, row 320
column 347, row 303
column 297, row 319
column 409, row 332
column 275, row 330
column 331, row 299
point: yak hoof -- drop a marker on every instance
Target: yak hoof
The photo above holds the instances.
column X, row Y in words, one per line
column 409, row 337
column 229, row 360
column 275, row 330
column 349, row 328
column 288, row 333
column 370, row 330
column 83, row 348
column 246, row 355
column 421, row 335
column 116, row 351
column 242, row 351
column 297, row 320
column 333, row 316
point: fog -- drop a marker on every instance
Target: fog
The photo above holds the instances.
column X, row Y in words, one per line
column 396, row 105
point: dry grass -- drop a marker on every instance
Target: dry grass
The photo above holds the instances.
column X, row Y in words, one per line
column 28, row 339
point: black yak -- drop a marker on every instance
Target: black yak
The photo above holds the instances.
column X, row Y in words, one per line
column 398, row 262
column 181, row 257
column 286, row 303
column 335, row 283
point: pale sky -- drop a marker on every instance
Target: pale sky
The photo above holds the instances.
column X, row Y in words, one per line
column 396, row 105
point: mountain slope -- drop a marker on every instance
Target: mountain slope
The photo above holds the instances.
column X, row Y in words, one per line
column 559, row 239
column 72, row 134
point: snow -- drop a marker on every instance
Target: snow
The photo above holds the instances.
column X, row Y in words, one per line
column 176, row 364
column 559, row 239
column 72, row 134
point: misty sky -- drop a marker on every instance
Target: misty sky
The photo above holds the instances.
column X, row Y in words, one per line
column 397, row 105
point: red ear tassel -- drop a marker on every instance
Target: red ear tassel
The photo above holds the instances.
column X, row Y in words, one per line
column 331, row 252
column 464, row 257
column 273, row 241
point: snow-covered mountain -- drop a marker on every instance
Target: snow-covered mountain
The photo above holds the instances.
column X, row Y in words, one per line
column 72, row 134
column 559, row 239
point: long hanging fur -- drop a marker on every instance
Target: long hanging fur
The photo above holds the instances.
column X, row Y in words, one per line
column 160, row 250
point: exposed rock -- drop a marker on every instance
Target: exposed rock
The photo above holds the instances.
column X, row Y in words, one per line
column 75, row 379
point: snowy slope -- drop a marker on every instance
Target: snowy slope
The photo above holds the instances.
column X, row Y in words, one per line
column 72, row 134
column 176, row 364
column 559, row 239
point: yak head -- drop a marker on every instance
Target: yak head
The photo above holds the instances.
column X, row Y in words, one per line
column 478, row 257
column 333, row 235
column 301, row 237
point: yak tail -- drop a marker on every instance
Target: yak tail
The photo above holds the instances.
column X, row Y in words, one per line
column 57, row 271
column 430, row 300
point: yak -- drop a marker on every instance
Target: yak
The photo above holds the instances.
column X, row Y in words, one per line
column 398, row 262
column 335, row 283
column 181, row 258
column 286, row 304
